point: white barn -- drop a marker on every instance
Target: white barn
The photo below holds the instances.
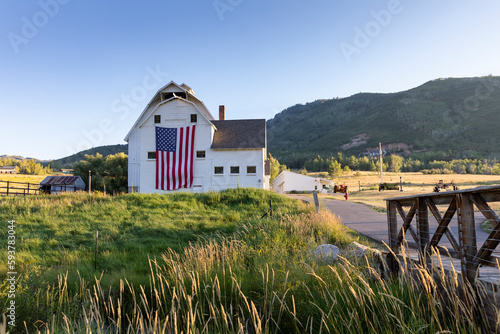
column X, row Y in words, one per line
column 225, row 153
column 287, row 182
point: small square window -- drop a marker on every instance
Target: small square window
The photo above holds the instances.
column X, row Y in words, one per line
column 194, row 118
column 219, row 170
column 157, row 119
column 235, row 169
column 200, row 154
column 151, row 155
column 251, row 169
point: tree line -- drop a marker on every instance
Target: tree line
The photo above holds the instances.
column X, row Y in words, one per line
column 26, row 166
column 336, row 165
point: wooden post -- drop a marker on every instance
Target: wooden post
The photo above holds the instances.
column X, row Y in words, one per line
column 392, row 227
column 381, row 163
column 90, row 182
column 7, row 188
column 467, row 232
column 400, row 183
column 316, row 201
column 96, row 240
column 423, row 230
column 28, row 188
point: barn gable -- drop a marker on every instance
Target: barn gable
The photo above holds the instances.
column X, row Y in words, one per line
column 168, row 92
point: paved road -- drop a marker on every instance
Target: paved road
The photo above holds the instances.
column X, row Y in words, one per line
column 373, row 224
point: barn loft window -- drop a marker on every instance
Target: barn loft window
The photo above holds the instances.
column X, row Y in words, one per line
column 251, row 169
column 157, row 119
column 194, row 118
column 167, row 96
column 200, row 154
column 152, row 155
column 218, row 170
column 235, row 169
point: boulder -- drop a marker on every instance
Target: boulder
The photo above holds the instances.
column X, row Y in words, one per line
column 358, row 250
column 326, row 253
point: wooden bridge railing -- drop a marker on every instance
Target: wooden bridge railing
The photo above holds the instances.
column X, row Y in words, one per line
column 460, row 204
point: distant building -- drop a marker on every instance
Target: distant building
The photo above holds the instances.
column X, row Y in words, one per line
column 59, row 184
column 67, row 171
column 8, row 170
column 287, row 182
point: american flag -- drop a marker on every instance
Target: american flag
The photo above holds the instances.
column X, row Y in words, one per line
column 174, row 157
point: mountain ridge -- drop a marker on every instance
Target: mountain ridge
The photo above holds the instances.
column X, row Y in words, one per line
column 456, row 115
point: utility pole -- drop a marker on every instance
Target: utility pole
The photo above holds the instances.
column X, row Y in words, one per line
column 381, row 164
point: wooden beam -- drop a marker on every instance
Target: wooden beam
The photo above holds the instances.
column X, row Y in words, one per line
column 443, row 224
column 485, row 209
column 423, row 229
column 491, row 243
column 467, row 231
column 392, row 226
column 407, row 218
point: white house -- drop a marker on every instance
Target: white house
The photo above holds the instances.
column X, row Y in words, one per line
column 288, row 181
column 210, row 154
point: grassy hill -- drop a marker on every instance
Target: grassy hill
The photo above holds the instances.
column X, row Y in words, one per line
column 455, row 115
column 67, row 162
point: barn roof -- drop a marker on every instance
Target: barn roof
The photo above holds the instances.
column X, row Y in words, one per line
column 59, row 180
column 7, row 167
column 240, row 134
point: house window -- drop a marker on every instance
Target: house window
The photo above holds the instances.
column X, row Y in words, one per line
column 194, row 118
column 235, row 169
column 200, row 154
column 151, row 155
column 251, row 169
column 218, row 170
column 157, row 119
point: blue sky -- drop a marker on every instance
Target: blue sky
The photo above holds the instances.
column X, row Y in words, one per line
column 76, row 74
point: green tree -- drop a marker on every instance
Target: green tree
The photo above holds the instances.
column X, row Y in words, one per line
column 276, row 167
column 395, row 163
column 334, row 169
column 110, row 172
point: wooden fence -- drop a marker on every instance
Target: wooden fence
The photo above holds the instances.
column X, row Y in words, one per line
column 459, row 204
column 10, row 188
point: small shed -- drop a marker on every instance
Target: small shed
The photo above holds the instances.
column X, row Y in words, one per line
column 59, row 184
column 287, row 182
column 7, row 169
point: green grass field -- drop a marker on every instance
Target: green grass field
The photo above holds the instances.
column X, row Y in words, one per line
column 208, row 263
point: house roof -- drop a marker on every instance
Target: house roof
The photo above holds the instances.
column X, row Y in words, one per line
column 240, row 134
column 8, row 167
column 60, row 180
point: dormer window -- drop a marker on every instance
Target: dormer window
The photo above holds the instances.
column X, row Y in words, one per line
column 157, row 119
column 168, row 96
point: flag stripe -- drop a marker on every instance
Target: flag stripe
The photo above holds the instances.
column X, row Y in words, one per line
column 174, row 157
column 191, row 152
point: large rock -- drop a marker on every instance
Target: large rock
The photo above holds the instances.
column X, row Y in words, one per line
column 358, row 250
column 326, row 253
